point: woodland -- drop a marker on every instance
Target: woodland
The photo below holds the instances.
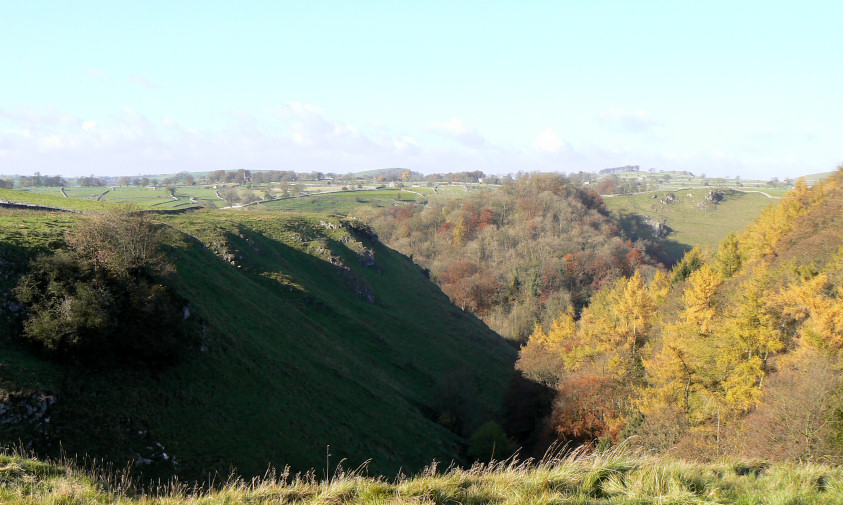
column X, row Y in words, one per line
column 729, row 352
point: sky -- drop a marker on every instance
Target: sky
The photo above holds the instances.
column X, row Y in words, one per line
column 732, row 88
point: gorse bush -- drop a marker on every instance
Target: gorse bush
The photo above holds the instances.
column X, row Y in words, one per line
column 108, row 297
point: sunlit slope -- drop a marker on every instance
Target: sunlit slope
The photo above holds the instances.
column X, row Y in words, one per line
column 314, row 335
column 690, row 218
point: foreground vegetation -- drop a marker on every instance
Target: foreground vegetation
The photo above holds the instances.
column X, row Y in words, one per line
column 610, row 478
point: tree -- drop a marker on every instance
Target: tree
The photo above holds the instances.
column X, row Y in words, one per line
column 800, row 415
column 108, row 297
column 120, row 241
column 489, row 443
column 699, row 298
column 684, row 372
column 728, row 259
column 635, row 308
column 691, row 261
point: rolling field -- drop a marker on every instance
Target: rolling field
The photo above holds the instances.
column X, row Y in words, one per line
column 692, row 220
column 343, row 202
column 53, row 200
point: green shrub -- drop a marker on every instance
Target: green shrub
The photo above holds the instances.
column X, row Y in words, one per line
column 109, row 296
column 77, row 310
column 488, row 443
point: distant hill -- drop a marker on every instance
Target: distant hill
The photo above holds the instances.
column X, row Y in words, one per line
column 385, row 172
column 317, row 344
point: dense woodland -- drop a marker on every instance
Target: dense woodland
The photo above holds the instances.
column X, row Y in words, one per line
column 517, row 255
column 739, row 353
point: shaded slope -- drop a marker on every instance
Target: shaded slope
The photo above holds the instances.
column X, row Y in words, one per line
column 294, row 358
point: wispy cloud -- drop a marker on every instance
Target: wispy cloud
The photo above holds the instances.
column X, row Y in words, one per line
column 142, row 81
column 633, row 121
column 99, row 75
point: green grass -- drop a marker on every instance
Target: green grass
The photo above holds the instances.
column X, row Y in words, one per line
column 53, row 200
column 342, row 202
column 579, row 479
column 293, row 358
column 197, row 192
column 693, row 221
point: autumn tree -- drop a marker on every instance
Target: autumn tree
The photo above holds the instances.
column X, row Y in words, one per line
column 728, row 259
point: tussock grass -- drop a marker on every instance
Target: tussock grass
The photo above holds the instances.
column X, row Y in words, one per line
column 614, row 477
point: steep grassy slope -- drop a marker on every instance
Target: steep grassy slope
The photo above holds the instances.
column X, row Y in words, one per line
column 312, row 335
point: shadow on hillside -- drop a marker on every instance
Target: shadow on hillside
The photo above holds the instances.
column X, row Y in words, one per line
column 663, row 249
column 387, row 358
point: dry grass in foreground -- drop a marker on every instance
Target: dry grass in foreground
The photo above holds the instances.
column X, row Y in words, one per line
column 615, row 477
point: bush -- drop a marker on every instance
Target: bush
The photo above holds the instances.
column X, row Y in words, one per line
column 76, row 310
column 488, row 443
column 108, row 297
column 122, row 242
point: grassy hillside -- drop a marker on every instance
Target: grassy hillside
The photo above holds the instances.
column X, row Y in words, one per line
column 343, row 202
column 53, row 199
column 691, row 220
column 600, row 479
column 313, row 335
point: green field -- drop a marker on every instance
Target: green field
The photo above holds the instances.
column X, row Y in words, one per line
column 52, row 200
column 692, row 220
column 343, row 202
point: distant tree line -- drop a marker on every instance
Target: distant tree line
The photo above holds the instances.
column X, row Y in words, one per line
column 41, row 180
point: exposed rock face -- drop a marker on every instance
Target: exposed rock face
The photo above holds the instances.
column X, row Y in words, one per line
column 659, row 226
column 669, row 198
column 714, row 196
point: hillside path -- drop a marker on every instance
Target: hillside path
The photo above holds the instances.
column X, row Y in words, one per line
column 756, row 191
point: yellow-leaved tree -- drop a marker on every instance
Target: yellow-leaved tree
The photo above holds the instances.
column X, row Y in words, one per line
column 750, row 337
column 683, row 373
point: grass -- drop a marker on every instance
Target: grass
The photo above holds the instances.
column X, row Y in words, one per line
column 293, row 357
column 341, row 202
column 611, row 478
column 693, row 221
column 53, row 200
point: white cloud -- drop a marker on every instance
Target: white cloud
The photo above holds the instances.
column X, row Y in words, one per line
column 549, row 141
column 303, row 137
column 636, row 121
column 143, row 81
column 456, row 129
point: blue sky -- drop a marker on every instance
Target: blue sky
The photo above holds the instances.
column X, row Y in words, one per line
column 721, row 88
